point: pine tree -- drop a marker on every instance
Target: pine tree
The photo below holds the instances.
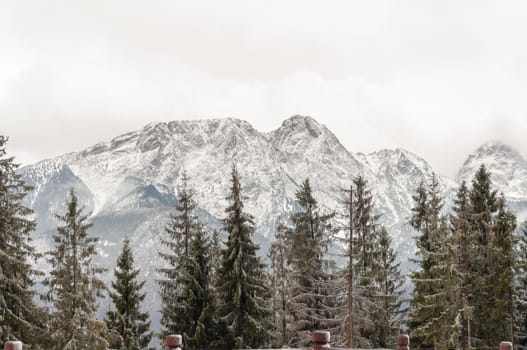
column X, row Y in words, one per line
column 366, row 269
column 388, row 282
column 19, row 317
column 74, row 285
column 463, row 247
column 310, row 286
column 182, row 226
column 280, row 276
column 242, row 285
column 503, row 264
column 127, row 319
column 432, row 317
column 483, row 206
column 521, row 291
column 198, row 308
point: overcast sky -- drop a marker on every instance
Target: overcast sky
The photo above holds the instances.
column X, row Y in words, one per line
column 435, row 77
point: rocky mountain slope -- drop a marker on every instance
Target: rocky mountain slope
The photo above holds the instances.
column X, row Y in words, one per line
column 129, row 184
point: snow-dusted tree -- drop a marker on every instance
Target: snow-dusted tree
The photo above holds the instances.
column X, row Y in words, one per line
column 19, row 317
column 483, row 206
column 74, row 284
column 196, row 300
column 371, row 275
column 463, row 246
column 520, row 300
column 431, row 315
column 310, row 283
column 502, row 267
column 388, row 285
column 243, row 288
column 182, row 226
column 127, row 319
column 280, row 276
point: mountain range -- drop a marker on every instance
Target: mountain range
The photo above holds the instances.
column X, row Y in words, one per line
column 129, row 184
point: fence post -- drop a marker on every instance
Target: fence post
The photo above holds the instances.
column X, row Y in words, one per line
column 320, row 340
column 505, row 345
column 13, row 345
column 174, row 341
column 403, row 342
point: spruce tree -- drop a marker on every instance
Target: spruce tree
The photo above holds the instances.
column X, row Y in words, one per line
column 388, row 283
column 242, row 278
column 483, row 206
column 463, row 246
column 280, row 280
column 127, row 319
column 430, row 308
column 310, row 286
column 20, row 319
column 366, row 254
column 520, row 300
column 182, row 226
column 198, row 308
column 74, row 285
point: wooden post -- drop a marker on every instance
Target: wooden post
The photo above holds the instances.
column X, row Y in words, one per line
column 403, row 342
column 174, row 341
column 13, row 345
column 320, row 340
column 505, row 345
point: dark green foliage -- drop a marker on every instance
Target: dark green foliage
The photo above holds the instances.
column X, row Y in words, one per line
column 280, row 281
column 388, row 295
column 520, row 300
column 198, row 309
column 20, row 319
column 492, row 226
column 127, row 319
column 431, row 317
column 74, row 285
column 242, row 279
column 179, row 231
column 312, row 297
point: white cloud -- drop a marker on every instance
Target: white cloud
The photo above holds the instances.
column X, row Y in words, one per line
column 435, row 77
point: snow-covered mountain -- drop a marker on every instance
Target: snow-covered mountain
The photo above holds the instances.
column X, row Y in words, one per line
column 508, row 170
column 129, row 184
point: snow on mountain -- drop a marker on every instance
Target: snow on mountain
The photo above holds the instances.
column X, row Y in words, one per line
column 508, row 171
column 129, row 184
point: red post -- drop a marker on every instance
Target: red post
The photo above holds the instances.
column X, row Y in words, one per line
column 403, row 342
column 505, row 345
column 13, row 345
column 320, row 340
column 174, row 341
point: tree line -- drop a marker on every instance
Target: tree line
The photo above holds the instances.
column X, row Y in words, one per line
column 334, row 271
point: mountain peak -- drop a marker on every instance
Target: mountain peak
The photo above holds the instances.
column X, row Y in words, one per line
column 300, row 123
column 497, row 148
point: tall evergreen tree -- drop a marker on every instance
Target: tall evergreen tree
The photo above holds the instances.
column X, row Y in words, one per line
column 521, row 291
column 198, row 308
column 310, row 279
column 74, row 284
column 430, row 309
column 366, row 269
column 388, row 283
column 463, row 246
column 280, row 276
column 127, row 319
column 483, row 206
column 19, row 317
column 182, row 226
column 242, row 285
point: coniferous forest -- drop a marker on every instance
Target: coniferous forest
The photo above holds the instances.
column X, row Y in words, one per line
column 325, row 270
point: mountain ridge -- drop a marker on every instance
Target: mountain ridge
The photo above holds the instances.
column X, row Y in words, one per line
column 129, row 184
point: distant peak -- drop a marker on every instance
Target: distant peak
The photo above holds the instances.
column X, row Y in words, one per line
column 300, row 123
column 498, row 148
